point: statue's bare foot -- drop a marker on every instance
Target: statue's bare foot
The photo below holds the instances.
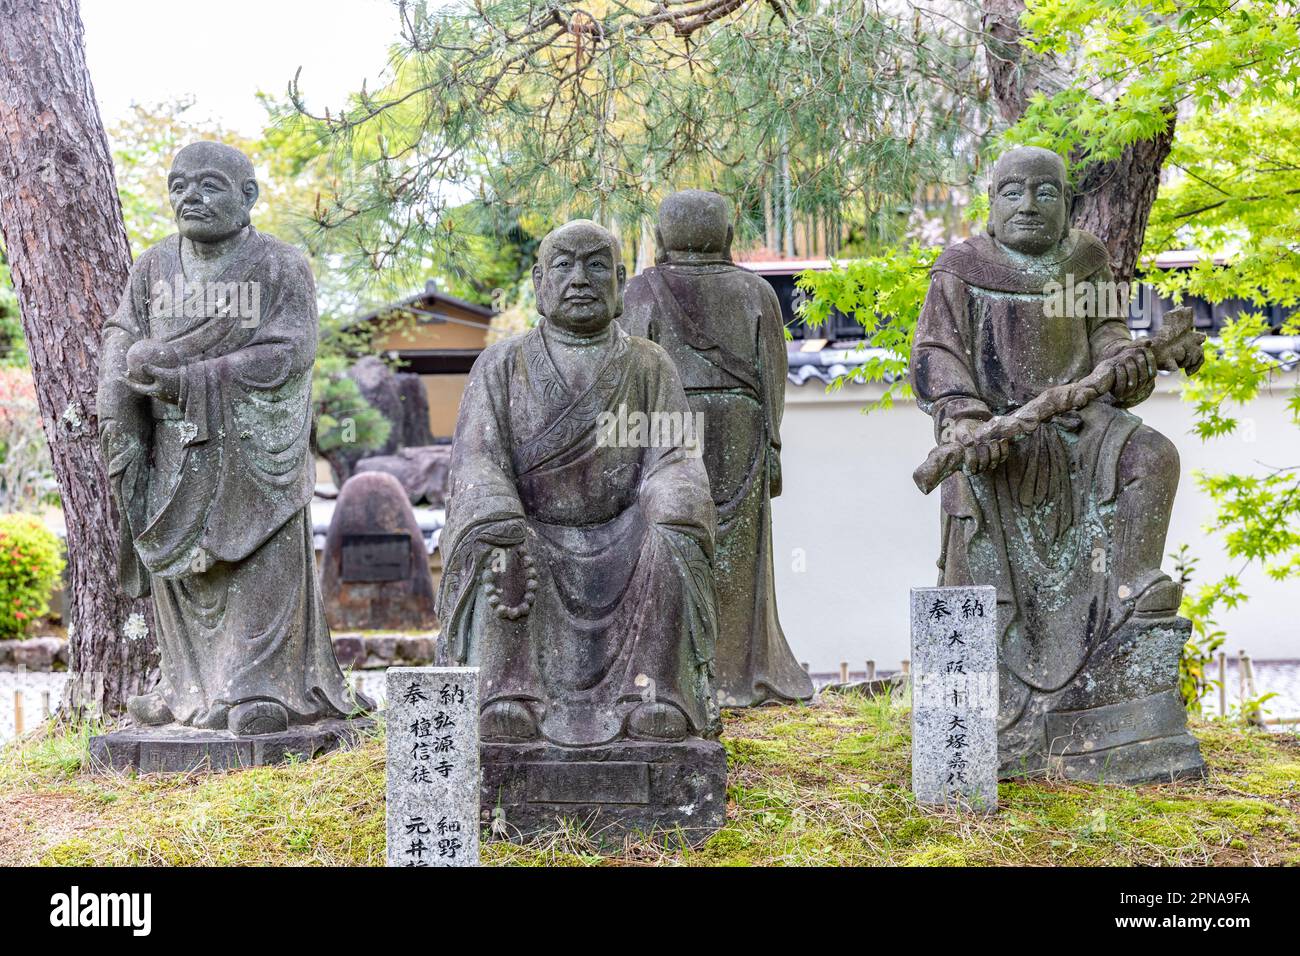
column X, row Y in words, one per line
column 507, row 721
column 214, row 718
column 1157, row 596
column 656, row 721
column 149, row 710
column 258, row 717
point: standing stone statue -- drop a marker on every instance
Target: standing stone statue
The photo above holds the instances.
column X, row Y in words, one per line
column 576, row 569
column 205, row 420
column 1067, row 517
column 722, row 326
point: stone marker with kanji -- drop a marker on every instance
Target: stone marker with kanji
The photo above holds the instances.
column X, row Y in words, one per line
column 432, row 808
column 955, row 697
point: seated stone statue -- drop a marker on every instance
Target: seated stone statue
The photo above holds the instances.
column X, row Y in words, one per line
column 577, row 569
column 722, row 326
column 205, row 420
column 1068, row 522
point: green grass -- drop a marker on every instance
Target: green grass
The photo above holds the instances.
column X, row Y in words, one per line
column 826, row 784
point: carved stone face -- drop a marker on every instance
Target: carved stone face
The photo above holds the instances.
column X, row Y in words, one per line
column 579, row 277
column 212, row 190
column 1027, row 201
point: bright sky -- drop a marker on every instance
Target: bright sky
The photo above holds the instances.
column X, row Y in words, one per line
column 223, row 53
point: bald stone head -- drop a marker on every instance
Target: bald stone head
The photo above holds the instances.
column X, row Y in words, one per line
column 694, row 223
column 1029, row 200
column 213, row 189
column 579, row 277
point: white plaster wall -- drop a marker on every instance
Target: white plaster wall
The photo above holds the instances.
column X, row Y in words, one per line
column 863, row 534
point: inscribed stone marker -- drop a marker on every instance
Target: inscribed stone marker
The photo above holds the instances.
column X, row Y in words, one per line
column 955, row 696
column 433, row 775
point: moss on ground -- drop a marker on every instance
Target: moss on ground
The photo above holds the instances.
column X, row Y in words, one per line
column 825, row 784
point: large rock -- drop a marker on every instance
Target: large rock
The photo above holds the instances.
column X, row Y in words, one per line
column 401, row 399
column 422, row 471
column 375, row 571
column 415, row 410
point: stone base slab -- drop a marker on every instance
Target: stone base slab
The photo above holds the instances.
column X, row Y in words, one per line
column 1121, row 720
column 178, row 749
column 1162, row 760
column 667, row 792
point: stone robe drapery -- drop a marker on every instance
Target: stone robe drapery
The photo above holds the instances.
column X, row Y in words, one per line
column 722, row 326
column 213, row 492
column 1037, row 526
column 622, row 539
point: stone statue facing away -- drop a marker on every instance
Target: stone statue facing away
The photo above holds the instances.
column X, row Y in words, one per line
column 722, row 326
column 1063, row 496
column 205, row 420
column 577, row 565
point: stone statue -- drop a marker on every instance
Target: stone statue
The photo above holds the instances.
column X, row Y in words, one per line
column 722, row 326
column 576, row 564
column 205, row 420
column 1066, row 518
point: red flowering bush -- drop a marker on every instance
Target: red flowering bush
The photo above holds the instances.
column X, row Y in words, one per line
column 30, row 565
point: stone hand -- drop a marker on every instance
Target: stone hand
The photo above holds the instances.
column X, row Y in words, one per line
column 1134, row 371
column 979, row 456
column 1189, row 356
column 157, row 381
column 774, row 474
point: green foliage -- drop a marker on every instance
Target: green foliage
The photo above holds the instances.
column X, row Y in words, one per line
column 30, row 565
column 1233, row 196
column 1194, row 680
column 344, row 419
column 1135, row 62
column 540, row 115
column 13, row 343
column 884, row 295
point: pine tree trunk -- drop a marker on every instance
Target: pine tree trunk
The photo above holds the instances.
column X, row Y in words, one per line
column 1112, row 200
column 68, row 253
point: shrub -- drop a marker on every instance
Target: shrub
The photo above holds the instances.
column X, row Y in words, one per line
column 30, row 565
column 26, row 474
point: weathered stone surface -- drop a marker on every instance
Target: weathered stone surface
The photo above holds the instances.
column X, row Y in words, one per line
column 670, row 792
column 1122, row 719
column 205, row 419
column 432, row 806
column 374, row 570
column 380, row 651
column 577, row 570
column 1069, row 521
column 722, row 326
column 955, row 697
column 177, row 749
column 423, row 472
column 37, row 653
column 415, row 411
column 350, row 650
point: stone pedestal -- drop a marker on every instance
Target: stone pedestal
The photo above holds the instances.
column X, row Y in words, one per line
column 176, row 749
column 1119, row 720
column 668, row 792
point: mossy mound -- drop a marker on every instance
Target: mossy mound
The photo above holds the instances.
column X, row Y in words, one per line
column 824, row 784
